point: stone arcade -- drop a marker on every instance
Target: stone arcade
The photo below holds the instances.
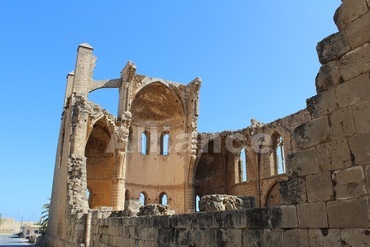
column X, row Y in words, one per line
column 302, row 180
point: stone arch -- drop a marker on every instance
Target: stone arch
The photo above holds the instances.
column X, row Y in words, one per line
column 272, row 194
column 156, row 104
column 99, row 165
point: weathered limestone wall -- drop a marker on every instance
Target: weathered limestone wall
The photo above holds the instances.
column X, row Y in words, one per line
column 323, row 199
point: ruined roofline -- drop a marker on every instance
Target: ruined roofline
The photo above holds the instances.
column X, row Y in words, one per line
column 251, row 127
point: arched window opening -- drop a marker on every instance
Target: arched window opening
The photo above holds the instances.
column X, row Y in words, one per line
column 165, row 143
column 88, row 196
column 243, row 165
column 144, row 143
column 280, row 156
column 142, row 198
column 163, row 199
column 197, row 201
column 127, row 195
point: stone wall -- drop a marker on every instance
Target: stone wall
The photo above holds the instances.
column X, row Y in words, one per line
column 324, row 197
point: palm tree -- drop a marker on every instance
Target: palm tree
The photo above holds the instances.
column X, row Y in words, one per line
column 45, row 217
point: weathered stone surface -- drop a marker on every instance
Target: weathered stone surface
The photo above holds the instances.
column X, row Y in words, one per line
column 349, row 11
column 252, row 238
column 283, row 217
column 350, row 183
column 332, row 47
column 312, row 133
column 354, row 91
column 324, row 237
column 328, row 76
column 257, row 218
column 199, row 237
column 302, row 163
column 319, row 187
column 272, row 238
column 312, row 215
column 293, row 191
column 355, row 237
column 234, row 237
column 132, row 207
column 322, row 104
column 215, row 237
column 183, row 237
column 342, row 124
column 153, row 209
column 334, row 155
column 218, row 202
column 296, row 237
column 355, row 62
column 361, row 114
column 367, row 175
column 349, row 213
column 359, row 145
column 362, row 26
column 230, row 219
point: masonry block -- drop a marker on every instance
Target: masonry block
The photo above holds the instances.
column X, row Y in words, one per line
column 361, row 114
column 342, row 124
column 161, row 221
column 332, row 47
column 367, row 175
column 252, row 238
column 328, row 76
column 349, row 213
column 312, row 215
column 292, row 191
column 283, row 217
column 302, row 163
column 183, row 237
column 199, row 237
column 234, row 237
column 355, row 237
column 296, row 237
column 231, row 219
column 348, row 12
column 350, row 183
column 272, row 238
column 215, row 237
column 359, row 145
column 257, row 218
column 180, row 220
column 165, row 236
column 319, row 187
column 312, row 133
column 206, row 220
column 322, row 104
column 362, row 26
column 355, row 62
column 354, row 91
column 324, row 237
column 334, row 155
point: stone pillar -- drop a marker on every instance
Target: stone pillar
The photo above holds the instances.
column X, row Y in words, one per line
column 118, row 186
column 69, row 87
column 83, row 72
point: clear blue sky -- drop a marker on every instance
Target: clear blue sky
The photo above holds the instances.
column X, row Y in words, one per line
column 257, row 59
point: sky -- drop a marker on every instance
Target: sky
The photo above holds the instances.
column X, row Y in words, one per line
column 257, row 59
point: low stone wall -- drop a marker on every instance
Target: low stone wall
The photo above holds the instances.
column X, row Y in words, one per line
column 277, row 226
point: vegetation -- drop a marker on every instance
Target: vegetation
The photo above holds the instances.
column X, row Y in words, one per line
column 1, row 219
column 45, row 217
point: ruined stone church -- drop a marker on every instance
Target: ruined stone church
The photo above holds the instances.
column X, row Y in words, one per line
column 302, row 180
